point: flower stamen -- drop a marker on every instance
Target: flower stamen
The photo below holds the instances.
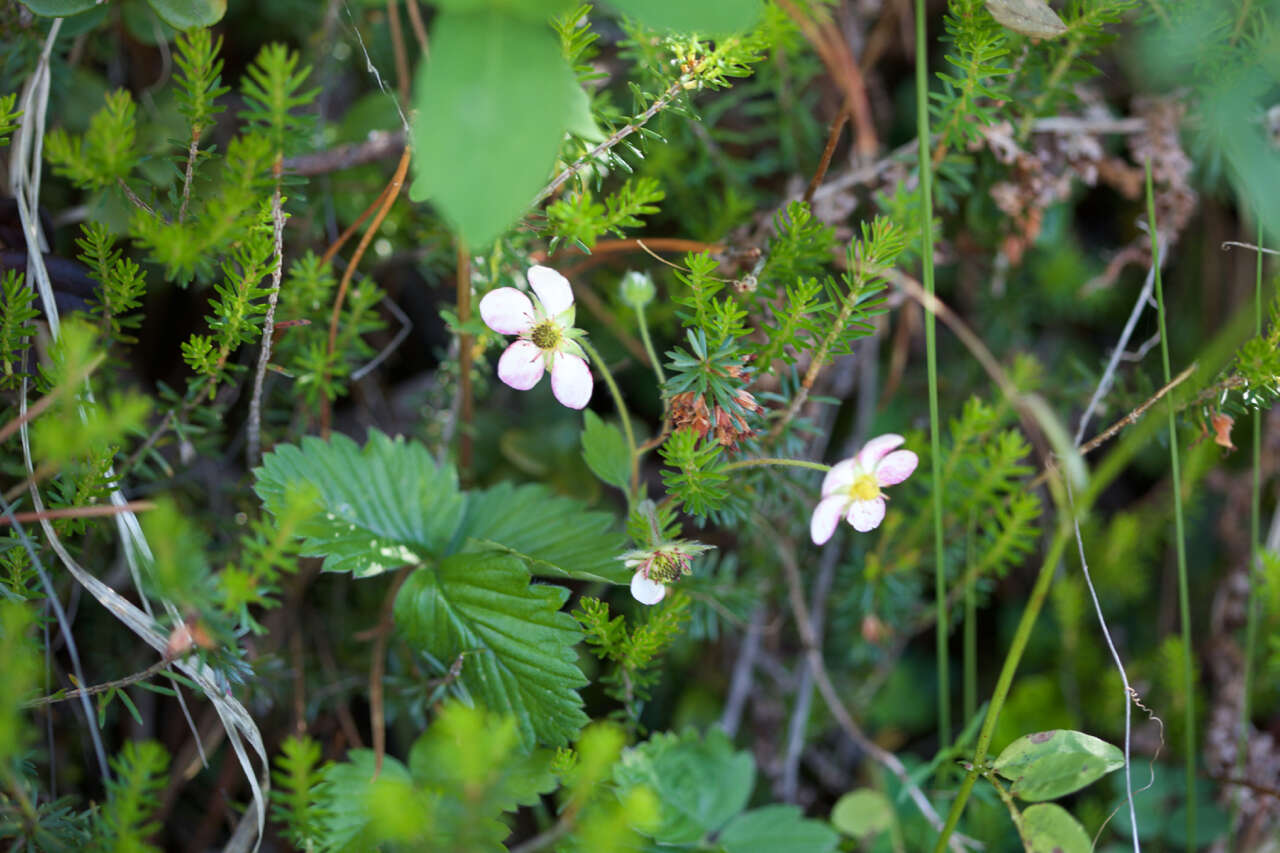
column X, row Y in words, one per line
column 546, row 335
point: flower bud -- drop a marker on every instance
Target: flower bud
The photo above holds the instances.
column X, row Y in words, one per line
column 637, row 289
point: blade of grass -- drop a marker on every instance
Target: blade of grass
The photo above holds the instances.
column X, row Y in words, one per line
column 1184, row 605
column 930, row 342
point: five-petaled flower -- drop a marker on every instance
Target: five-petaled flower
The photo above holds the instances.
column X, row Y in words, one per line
column 660, row 566
column 546, row 337
column 851, row 489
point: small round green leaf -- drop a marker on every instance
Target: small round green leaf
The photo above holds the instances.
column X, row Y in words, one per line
column 58, row 8
column 1052, row 764
column 1050, row 828
column 862, row 812
column 187, row 14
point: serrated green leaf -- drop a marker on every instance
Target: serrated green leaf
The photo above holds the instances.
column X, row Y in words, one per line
column 376, row 508
column 605, row 451
column 777, row 829
column 518, row 648
column 557, row 536
column 709, row 17
column 701, row 783
column 58, row 8
column 1052, row 764
column 492, row 106
column 1050, row 828
column 187, row 14
column 863, row 812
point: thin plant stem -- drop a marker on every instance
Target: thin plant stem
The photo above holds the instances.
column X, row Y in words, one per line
column 931, row 355
column 620, row 406
column 1184, row 605
column 1255, row 550
column 784, row 463
column 1029, row 615
column 648, row 346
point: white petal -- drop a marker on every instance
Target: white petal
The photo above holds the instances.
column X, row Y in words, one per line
column 896, row 467
column 553, row 289
column 875, row 449
column 507, row 311
column 570, row 380
column 840, row 477
column 826, row 515
column 866, row 515
column 521, row 366
column 646, row 591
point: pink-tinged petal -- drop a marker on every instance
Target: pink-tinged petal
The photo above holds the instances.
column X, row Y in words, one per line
column 646, row 591
column 553, row 290
column 507, row 311
column 875, row 449
column 840, row 477
column 571, row 380
column 896, row 467
column 826, row 515
column 521, row 366
column 866, row 515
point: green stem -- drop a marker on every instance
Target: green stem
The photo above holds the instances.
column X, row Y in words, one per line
column 648, row 346
column 620, row 406
column 930, row 342
column 1005, row 682
column 1184, row 605
column 786, row 463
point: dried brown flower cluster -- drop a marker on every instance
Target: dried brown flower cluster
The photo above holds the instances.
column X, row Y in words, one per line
column 1044, row 176
column 691, row 410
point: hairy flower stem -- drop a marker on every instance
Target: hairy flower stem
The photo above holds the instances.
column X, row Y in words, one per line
column 931, row 348
column 622, row 414
column 648, row 345
column 1184, row 605
column 785, row 463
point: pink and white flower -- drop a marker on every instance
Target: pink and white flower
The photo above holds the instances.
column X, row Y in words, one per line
column 658, row 567
column 546, row 337
column 851, row 489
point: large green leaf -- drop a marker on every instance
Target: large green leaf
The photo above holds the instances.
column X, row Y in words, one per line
column 492, row 106
column 375, row 508
column 701, row 783
column 1052, row 764
column 59, row 8
column 555, row 535
column 186, row 14
column 777, row 829
column 518, row 649
column 709, row 17
column 1050, row 828
column 534, row 10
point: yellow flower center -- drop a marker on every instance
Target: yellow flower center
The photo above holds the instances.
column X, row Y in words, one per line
column 545, row 335
column 865, row 488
